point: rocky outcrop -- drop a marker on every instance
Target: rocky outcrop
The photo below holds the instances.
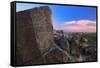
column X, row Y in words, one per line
column 34, row 35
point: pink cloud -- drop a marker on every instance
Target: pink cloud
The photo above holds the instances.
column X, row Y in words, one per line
column 79, row 26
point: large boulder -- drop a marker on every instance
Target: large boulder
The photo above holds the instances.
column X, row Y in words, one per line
column 34, row 34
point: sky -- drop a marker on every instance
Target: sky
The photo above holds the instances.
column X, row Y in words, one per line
column 68, row 18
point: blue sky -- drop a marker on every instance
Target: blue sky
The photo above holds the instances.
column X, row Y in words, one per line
column 65, row 14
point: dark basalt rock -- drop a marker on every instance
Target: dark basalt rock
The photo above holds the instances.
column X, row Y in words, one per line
column 34, row 34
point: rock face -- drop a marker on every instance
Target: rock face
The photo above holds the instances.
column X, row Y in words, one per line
column 34, row 35
column 41, row 18
column 56, row 56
